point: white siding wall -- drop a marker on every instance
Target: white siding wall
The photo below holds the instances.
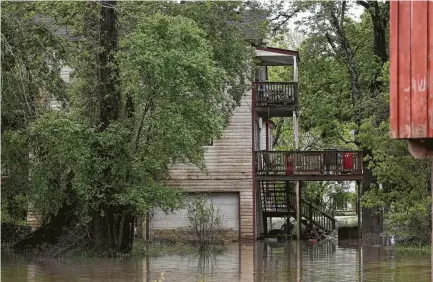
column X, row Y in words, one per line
column 227, row 203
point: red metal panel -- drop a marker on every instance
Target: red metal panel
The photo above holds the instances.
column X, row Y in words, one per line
column 430, row 68
column 411, row 69
column 404, row 83
column 289, row 165
column 419, row 70
column 393, row 30
column 347, row 160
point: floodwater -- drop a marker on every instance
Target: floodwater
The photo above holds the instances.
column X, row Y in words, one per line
column 330, row 261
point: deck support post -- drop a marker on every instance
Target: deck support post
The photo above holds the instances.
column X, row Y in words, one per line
column 358, row 207
column 298, row 188
column 298, row 211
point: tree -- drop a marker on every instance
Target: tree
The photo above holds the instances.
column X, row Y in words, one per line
column 344, row 84
column 30, row 69
column 151, row 83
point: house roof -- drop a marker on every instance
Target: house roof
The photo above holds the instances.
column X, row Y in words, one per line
column 271, row 56
column 253, row 23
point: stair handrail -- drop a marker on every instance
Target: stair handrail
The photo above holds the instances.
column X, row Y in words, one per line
column 325, row 214
column 317, row 208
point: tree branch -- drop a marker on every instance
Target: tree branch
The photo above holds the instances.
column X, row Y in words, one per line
column 286, row 17
column 343, row 10
column 279, row 130
column 329, row 39
column 364, row 4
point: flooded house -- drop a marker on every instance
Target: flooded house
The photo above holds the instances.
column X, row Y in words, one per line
column 249, row 181
column 246, row 178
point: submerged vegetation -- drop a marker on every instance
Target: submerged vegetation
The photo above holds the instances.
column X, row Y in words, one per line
column 206, row 223
column 155, row 249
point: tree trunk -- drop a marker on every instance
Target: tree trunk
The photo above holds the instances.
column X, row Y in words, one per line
column 371, row 217
column 108, row 72
column 112, row 229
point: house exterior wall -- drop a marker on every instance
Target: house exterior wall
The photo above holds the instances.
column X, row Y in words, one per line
column 229, row 165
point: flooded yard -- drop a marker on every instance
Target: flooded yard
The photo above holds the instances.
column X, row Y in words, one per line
column 330, row 261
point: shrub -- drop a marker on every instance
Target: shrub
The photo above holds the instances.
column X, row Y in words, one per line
column 205, row 222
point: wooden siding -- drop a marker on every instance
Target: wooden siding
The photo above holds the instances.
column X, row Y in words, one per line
column 33, row 219
column 411, row 70
column 229, row 165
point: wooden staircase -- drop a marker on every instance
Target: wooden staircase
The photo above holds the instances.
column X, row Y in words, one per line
column 317, row 221
column 278, row 200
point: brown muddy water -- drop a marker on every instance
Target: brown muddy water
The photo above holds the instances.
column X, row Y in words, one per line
column 330, row 261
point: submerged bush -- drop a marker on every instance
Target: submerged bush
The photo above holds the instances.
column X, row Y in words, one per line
column 206, row 223
column 411, row 227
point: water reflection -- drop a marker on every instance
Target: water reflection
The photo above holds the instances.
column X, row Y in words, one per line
column 305, row 261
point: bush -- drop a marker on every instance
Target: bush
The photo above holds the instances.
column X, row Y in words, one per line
column 205, row 222
column 411, row 227
column 12, row 232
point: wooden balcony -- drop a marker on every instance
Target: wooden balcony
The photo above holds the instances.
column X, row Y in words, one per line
column 324, row 165
column 275, row 99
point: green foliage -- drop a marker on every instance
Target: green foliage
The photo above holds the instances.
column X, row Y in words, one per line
column 182, row 68
column 30, row 65
column 328, row 195
column 169, row 69
column 331, row 115
column 412, row 225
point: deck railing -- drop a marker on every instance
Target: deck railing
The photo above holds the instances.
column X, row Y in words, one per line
column 308, row 162
column 275, row 93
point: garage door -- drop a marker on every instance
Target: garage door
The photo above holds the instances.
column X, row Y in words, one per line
column 227, row 203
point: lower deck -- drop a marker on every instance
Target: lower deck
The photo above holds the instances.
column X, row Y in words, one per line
column 326, row 165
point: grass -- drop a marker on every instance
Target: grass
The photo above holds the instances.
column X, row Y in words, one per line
column 156, row 249
column 421, row 249
column 139, row 249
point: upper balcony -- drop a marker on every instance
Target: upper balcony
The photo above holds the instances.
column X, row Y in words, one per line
column 275, row 99
column 326, row 165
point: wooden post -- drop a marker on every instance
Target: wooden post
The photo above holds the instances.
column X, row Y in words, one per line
column 298, row 211
column 431, row 187
column 295, row 130
column 298, row 261
column 298, row 189
column 358, row 206
column 147, row 235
